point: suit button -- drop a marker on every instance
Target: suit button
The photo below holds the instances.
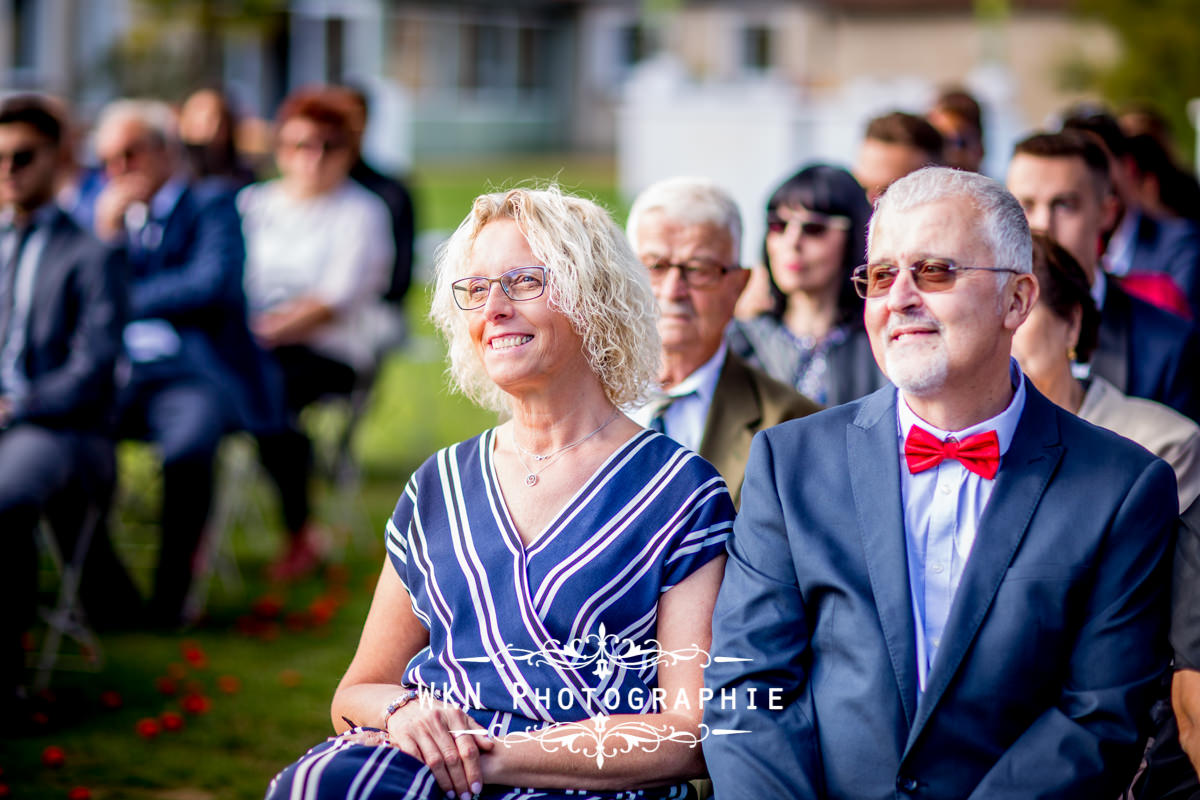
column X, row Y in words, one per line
column 906, row 784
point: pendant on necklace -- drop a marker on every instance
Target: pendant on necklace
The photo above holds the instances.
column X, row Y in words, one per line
column 530, row 479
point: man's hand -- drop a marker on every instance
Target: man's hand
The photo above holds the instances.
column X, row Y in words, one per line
column 1185, row 699
column 115, row 199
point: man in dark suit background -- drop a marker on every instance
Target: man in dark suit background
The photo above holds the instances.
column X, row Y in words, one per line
column 1062, row 181
column 196, row 372
column 952, row 588
column 687, row 231
column 62, row 305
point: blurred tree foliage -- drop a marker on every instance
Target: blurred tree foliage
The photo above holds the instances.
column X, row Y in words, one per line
column 1159, row 62
column 175, row 46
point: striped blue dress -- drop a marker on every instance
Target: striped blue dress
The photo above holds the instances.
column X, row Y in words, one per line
column 523, row 636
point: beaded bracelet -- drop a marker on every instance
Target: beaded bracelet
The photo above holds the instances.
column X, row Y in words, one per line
column 398, row 704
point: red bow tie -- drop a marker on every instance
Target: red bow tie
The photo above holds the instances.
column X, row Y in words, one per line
column 979, row 453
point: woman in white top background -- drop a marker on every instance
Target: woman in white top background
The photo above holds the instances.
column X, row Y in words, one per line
column 318, row 250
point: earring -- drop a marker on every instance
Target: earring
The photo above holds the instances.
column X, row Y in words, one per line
column 1071, row 353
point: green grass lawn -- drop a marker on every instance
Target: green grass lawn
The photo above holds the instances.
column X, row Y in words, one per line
column 251, row 685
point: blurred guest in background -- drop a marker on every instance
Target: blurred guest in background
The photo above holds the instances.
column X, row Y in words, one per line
column 395, row 195
column 1062, row 182
column 959, row 119
column 319, row 247
column 1149, row 254
column 1062, row 330
column 208, row 128
column 196, row 372
column 62, row 305
column 687, row 231
column 813, row 337
column 894, row 145
column 1165, row 190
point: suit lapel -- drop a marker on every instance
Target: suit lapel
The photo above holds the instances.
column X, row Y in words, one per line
column 1025, row 471
column 732, row 415
column 47, row 283
column 873, row 455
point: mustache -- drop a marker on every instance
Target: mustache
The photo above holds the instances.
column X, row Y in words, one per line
column 909, row 320
column 671, row 307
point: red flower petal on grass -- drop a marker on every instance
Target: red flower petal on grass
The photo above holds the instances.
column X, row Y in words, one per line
column 193, row 654
column 5, row 791
column 111, row 699
column 268, row 606
column 79, row 793
column 167, row 686
column 290, row 678
column 229, row 684
column 53, row 756
column 196, row 704
column 148, row 728
column 171, row 720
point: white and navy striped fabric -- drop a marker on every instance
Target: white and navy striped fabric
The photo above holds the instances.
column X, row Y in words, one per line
column 651, row 515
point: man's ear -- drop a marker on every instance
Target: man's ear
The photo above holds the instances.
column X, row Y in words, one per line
column 1023, row 293
column 738, row 277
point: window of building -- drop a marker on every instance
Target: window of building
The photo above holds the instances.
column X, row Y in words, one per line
column 757, row 48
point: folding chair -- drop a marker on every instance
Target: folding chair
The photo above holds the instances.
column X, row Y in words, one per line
column 235, row 503
column 331, row 424
column 67, row 619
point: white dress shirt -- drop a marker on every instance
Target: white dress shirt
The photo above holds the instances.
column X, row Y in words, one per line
column 942, row 509
column 690, row 399
column 13, row 381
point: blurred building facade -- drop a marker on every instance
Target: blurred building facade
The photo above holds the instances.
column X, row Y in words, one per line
column 528, row 75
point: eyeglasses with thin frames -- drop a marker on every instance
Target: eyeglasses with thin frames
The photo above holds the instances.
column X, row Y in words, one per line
column 698, row 273
column 322, row 147
column 929, row 275
column 519, row 284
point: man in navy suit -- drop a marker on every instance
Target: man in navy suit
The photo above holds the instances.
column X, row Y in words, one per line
column 951, row 588
column 62, row 305
column 1062, row 180
column 196, row 372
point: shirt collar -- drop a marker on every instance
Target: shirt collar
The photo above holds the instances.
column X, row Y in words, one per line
column 1119, row 252
column 41, row 217
column 1004, row 423
column 703, row 381
column 164, row 200
column 1099, row 286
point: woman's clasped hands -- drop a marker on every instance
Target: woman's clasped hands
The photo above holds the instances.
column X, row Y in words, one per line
column 436, row 732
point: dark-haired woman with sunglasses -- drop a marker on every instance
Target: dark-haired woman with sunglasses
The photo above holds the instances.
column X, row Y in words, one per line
column 812, row 337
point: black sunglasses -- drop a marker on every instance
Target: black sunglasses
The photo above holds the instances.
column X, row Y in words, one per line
column 815, row 228
column 19, row 159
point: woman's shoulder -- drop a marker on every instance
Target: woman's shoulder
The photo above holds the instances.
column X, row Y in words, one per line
column 661, row 458
column 1150, row 424
column 253, row 197
column 457, row 454
column 357, row 199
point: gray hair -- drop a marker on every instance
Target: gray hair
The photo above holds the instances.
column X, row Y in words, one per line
column 155, row 115
column 691, row 201
column 1001, row 218
column 593, row 279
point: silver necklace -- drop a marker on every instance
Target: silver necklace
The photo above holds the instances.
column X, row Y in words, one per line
column 531, row 476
